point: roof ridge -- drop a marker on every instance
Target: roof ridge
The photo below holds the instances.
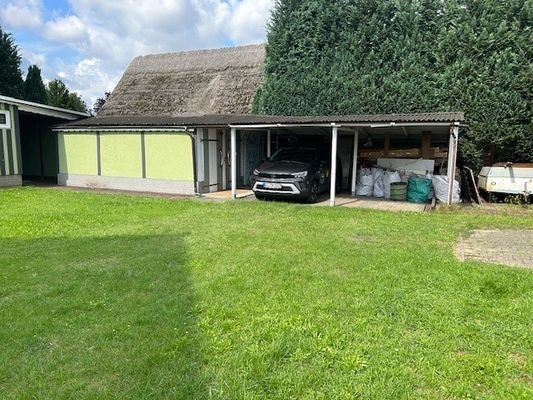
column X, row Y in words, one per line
column 199, row 51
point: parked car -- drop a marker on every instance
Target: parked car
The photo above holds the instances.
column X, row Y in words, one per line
column 296, row 173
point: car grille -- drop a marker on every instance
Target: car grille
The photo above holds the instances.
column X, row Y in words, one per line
column 275, row 176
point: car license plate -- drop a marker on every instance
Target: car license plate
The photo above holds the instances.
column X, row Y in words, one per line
column 271, row 185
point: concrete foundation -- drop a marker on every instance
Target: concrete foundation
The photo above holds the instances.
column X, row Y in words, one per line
column 129, row 184
column 10, row 180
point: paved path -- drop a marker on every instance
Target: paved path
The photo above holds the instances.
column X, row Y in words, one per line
column 507, row 247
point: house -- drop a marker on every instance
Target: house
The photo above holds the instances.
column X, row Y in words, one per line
column 28, row 147
column 181, row 123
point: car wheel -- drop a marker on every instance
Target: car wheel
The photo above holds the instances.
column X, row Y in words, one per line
column 313, row 192
column 259, row 196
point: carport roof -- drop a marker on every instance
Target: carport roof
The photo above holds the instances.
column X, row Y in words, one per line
column 250, row 120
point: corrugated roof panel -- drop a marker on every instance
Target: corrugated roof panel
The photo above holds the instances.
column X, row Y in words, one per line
column 230, row 119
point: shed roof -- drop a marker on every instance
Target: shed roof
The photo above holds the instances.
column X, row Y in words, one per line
column 221, row 81
column 43, row 109
column 222, row 120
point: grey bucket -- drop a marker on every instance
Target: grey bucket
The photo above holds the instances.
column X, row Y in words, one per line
column 398, row 191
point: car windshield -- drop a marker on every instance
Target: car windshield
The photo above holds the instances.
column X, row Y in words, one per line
column 297, row 155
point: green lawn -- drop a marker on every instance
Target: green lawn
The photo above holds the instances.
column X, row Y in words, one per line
column 113, row 296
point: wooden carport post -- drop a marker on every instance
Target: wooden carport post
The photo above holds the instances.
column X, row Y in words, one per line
column 233, row 163
column 354, row 162
column 269, row 143
column 452, row 160
column 333, row 171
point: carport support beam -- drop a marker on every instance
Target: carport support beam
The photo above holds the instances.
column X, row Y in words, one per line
column 269, row 143
column 452, row 160
column 233, row 163
column 354, row 164
column 333, row 172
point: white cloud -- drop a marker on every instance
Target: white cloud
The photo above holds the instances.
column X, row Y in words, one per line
column 38, row 59
column 247, row 23
column 107, row 35
column 21, row 14
column 69, row 29
column 89, row 78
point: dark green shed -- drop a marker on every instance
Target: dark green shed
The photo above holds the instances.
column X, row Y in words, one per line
column 28, row 147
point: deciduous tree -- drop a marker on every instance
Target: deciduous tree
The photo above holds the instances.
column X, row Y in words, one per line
column 60, row 96
column 99, row 103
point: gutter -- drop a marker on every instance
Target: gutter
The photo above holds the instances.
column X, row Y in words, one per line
column 120, row 129
column 349, row 125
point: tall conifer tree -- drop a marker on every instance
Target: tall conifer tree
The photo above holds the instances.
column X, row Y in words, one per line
column 10, row 76
column 34, row 89
column 370, row 56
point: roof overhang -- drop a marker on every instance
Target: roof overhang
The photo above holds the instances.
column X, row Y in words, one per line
column 348, row 125
column 45, row 110
column 121, row 128
column 251, row 121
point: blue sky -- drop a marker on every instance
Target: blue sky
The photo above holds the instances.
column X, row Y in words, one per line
column 89, row 43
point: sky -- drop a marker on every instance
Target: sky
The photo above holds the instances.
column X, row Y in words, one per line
column 89, row 43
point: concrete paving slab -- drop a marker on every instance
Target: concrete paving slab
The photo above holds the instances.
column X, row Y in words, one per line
column 373, row 203
column 507, row 247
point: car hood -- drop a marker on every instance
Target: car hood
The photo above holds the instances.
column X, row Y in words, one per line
column 283, row 167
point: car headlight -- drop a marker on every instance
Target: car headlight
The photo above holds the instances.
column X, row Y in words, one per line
column 302, row 174
column 256, row 172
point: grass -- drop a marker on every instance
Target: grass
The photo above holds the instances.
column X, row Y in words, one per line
column 112, row 296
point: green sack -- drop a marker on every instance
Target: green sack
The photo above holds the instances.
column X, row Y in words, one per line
column 418, row 189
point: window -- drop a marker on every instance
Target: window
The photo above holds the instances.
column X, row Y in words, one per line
column 5, row 120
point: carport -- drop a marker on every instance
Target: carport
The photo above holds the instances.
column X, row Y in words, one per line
column 395, row 133
column 206, row 154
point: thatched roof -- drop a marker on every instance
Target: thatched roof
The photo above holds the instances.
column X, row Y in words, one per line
column 222, row 81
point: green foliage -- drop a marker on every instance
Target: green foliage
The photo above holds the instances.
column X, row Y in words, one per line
column 367, row 56
column 11, row 83
column 99, row 103
column 34, row 89
column 76, row 103
column 60, row 96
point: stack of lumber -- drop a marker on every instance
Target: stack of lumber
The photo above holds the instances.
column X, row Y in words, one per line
column 435, row 153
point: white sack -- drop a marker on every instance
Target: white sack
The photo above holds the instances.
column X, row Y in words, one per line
column 365, row 182
column 388, row 178
column 440, row 185
column 378, row 184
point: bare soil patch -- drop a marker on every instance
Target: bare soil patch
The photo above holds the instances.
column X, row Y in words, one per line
column 507, row 247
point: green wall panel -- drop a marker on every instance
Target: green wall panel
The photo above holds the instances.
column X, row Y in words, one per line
column 169, row 156
column 15, row 140
column 31, row 161
column 49, row 149
column 39, row 147
column 77, row 153
column 5, row 152
column 10, row 143
column 121, row 154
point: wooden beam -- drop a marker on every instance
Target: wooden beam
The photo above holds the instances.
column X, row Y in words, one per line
column 386, row 145
column 425, row 149
column 269, row 143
